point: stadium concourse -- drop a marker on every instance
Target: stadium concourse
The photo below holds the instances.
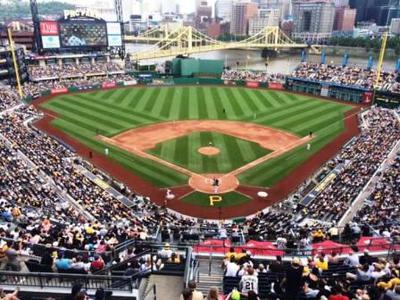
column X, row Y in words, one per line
column 51, row 202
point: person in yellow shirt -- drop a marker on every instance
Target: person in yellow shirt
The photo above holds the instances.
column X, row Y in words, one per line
column 390, row 284
column 321, row 263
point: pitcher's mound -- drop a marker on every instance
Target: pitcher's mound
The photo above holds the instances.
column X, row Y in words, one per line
column 209, row 151
column 204, row 183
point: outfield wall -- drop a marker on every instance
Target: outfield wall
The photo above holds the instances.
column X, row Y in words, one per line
column 298, row 85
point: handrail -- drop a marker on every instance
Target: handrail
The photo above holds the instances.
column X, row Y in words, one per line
column 122, row 263
column 188, row 274
column 60, row 280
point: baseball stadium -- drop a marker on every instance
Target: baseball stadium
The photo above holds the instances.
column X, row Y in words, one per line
column 156, row 160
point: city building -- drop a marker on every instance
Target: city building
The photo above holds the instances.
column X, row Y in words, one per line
column 362, row 7
column 223, row 10
column 265, row 17
column 395, row 26
column 284, row 6
column 203, row 14
column 241, row 13
column 345, row 19
column 341, row 3
column 169, row 7
column 214, row 29
column 313, row 19
column 379, row 11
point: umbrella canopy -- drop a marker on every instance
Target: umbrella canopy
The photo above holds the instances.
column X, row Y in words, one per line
column 328, row 247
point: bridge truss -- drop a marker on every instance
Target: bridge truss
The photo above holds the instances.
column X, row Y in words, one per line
column 186, row 40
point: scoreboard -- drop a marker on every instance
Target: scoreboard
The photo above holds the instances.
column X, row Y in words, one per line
column 83, row 34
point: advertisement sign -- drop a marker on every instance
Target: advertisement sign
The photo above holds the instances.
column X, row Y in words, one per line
column 275, row 85
column 113, row 28
column 59, row 91
column 130, row 82
column 50, row 42
column 48, row 28
column 108, row 85
column 367, row 97
column 114, row 40
column 252, row 84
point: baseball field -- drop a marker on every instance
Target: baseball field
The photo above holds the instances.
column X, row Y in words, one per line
column 170, row 136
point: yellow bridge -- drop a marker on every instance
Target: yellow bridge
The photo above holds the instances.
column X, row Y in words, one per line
column 186, row 40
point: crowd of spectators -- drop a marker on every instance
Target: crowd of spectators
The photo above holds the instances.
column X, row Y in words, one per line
column 248, row 75
column 356, row 275
column 72, row 70
column 8, row 98
column 348, row 76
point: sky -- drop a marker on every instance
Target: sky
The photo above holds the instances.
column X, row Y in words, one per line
column 186, row 6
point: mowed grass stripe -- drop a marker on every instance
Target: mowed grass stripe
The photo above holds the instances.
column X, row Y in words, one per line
column 281, row 98
column 261, row 99
column 167, row 102
column 114, row 111
column 125, row 95
column 73, row 112
column 184, row 110
column 275, row 102
column 133, row 100
column 218, row 103
column 140, row 105
column 97, row 113
column 156, row 111
column 282, row 114
column 213, row 112
column 319, row 122
column 234, row 101
column 195, row 161
column 108, row 94
column 226, row 104
column 201, row 103
column 152, row 100
column 175, row 107
column 181, row 146
column 293, row 120
column 248, row 100
column 193, row 108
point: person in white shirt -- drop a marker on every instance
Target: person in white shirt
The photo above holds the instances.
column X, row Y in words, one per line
column 231, row 268
column 249, row 282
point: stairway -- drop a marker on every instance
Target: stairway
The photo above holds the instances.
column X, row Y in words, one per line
column 214, row 279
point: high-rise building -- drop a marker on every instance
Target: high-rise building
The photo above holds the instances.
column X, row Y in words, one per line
column 223, row 10
column 345, row 19
column 313, row 19
column 282, row 5
column 383, row 11
column 341, row 3
column 265, row 17
column 168, row 7
column 395, row 26
column 241, row 13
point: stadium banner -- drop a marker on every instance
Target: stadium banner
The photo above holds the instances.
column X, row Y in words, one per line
column 367, row 97
column 114, row 41
column 387, row 99
column 252, row 84
column 275, row 86
column 78, row 33
column 130, row 82
column 59, row 91
column 51, row 41
column 108, row 85
column 48, row 28
column 325, row 90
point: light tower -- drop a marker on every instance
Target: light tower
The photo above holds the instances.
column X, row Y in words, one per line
column 120, row 20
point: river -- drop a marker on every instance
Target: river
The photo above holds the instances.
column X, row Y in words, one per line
column 252, row 59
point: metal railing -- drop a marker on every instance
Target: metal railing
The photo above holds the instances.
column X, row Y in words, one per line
column 65, row 281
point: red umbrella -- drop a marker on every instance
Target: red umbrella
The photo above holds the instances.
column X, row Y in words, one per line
column 262, row 248
column 328, row 247
column 373, row 244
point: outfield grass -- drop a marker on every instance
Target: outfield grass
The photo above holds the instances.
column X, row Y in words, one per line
column 114, row 111
column 228, row 199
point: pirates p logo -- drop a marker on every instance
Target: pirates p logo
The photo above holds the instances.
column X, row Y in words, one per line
column 214, row 199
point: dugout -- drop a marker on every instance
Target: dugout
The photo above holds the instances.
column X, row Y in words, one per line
column 326, row 89
column 191, row 67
